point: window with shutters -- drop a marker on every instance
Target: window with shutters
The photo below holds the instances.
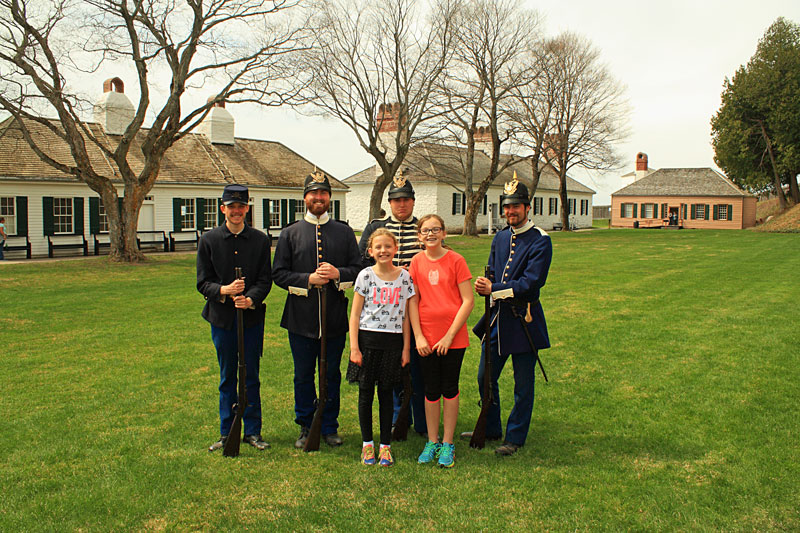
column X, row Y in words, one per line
column 584, row 207
column 62, row 215
column 210, row 213
column 627, row 210
column 458, row 200
column 571, row 203
column 274, row 213
column 8, row 211
column 722, row 212
column 187, row 214
column 647, row 210
column 299, row 210
column 102, row 217
column 537, row 205
column 553, row 205
column 699, row 211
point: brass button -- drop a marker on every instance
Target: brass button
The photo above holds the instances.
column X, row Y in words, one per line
column 235, row 253
column 320, row 256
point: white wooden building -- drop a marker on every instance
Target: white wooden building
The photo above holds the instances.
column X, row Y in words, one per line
column 42, row 205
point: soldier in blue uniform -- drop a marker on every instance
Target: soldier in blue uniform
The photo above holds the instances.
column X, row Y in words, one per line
column 519, row 259
column 219, row 252
column 313, row 254
column 403, row 224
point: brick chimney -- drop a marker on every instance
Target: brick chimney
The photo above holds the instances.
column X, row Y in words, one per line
column 483, row 140
column 218, row 125
column 113, row 110
column 389, row 120
column 642, row 169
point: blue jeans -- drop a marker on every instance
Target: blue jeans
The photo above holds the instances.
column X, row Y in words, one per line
column 519, row 420
column 226, row 341
column 305, row 352
column 416, row 415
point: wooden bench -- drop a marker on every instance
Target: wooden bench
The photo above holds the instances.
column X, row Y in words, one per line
column 152, row 238
column 183, row 237
column 558, row 226
column 26, row 245
column 61, row 245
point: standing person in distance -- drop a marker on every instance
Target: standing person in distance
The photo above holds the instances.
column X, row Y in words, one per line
column 316, row 253
column 439, row 317
column 403, row 224
column 3, row 236
column 380, row 340
column 219, row 252
column 520, row 259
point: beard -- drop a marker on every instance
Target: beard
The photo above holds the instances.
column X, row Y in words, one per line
column 318, row 208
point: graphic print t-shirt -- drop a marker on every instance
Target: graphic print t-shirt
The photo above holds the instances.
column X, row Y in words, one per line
column 384, row 301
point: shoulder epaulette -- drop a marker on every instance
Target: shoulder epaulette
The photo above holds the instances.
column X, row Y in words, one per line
column 543, row 232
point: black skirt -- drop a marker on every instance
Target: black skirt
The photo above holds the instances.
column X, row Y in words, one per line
column 381, row 359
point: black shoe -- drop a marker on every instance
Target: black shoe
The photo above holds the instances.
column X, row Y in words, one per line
column 507, row 448
column 301, row 440
column 219, row 444
column 467, row 435
column 333, row 439
column 256, row 442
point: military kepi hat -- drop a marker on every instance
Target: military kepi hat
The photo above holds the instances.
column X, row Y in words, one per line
column 400, row 187
column 235, row 193
column 515, row 192
column 315, row 181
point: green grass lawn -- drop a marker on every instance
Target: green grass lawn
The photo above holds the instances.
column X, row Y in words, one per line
column 672, row 403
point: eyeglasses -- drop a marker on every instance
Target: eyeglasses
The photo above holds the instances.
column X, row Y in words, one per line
column 428, row 231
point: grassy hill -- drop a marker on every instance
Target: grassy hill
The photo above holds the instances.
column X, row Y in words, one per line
column 786, row 222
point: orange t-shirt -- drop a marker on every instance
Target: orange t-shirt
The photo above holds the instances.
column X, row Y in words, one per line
column 436, row 283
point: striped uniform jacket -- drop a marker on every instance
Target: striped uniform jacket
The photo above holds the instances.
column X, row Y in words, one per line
column 406, row 233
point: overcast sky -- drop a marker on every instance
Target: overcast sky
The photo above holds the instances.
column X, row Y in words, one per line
column 672, row 56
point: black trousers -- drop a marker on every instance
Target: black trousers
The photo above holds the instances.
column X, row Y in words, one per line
column 366, row 394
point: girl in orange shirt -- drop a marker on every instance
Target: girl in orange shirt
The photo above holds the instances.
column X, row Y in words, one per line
column 438, row 316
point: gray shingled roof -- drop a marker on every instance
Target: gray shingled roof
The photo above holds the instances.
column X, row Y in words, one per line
column 682, row 182
column 429, row 162
column 250, row 162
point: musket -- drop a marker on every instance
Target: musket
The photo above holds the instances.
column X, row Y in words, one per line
column 314, row 433
column 478, row 439
column 523, row 320
column 400, row 430
column 231, row 448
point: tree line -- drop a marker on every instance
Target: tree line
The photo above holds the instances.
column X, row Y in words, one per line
column 469, row 74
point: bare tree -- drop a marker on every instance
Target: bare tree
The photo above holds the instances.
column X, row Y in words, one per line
column 46, row 45
column 589, row 114
column 374, row 66
column 494, row 38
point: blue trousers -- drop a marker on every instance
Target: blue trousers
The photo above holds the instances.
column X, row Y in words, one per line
column 519, row 420
column 305, row 352
column 417, row 412
column 226, row 341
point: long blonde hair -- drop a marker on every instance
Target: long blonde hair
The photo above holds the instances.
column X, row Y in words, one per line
column 382, row 232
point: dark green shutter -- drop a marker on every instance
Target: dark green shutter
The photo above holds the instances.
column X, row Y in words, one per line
column 220, row 214
column 176, row 214
column 290, row 214
column 94, row 215
column 716, row 212
column 730, row 212
column 200, row 213
column 485, row 202
column 453, row 207
column 463, row 204
column 336, row 208
column 622, row 210
column 77, row 215
column 47, row 215
column 284, row 211
column 22, row 215
column 706, row 211
column 635, row 210
column 265, row 207
column 694, row 211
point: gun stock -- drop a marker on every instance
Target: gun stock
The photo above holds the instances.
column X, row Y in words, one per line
column 400, row 431
column 478, row 439
column 234, row 440
column 314, row 433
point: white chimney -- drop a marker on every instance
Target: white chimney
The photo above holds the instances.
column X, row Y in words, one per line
column 218, row 125
column 113, row 111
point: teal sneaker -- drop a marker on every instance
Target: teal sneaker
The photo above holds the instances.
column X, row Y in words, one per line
column 447, row 455
column 429, row 453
